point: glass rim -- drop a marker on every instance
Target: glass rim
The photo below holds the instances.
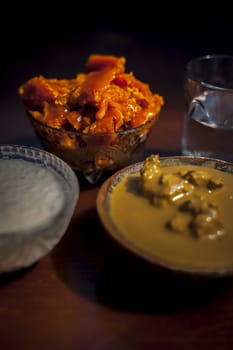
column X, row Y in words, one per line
column 97, row 134
column 188, row 70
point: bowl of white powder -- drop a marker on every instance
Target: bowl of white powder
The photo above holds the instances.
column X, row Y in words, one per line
column 38, row 195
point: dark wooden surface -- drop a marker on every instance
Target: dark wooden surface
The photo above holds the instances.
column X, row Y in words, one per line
column 89, row 293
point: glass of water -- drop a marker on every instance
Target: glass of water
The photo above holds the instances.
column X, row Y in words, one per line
column 208, row 119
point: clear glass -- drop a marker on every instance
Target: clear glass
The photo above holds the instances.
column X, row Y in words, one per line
column 208, row 118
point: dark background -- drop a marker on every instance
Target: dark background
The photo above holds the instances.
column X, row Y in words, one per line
column 39, row 30
column 55, row 40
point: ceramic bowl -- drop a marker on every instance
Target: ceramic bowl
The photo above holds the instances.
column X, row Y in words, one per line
column 39, row 193
column 131, row 220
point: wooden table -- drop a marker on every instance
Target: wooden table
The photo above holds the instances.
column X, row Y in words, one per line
column 89, row 293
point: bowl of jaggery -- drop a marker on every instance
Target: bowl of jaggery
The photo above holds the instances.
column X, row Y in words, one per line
column 97, row 121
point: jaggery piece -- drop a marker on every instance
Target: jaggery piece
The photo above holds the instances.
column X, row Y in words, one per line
column 99, row 62
column 102, row 99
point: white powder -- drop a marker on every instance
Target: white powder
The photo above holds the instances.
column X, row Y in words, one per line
column 30, row 195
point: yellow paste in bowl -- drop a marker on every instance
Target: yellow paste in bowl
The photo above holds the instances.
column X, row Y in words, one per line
column 145, row 217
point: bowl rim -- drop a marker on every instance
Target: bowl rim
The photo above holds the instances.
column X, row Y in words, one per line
column 48, row 160
column 80, row 133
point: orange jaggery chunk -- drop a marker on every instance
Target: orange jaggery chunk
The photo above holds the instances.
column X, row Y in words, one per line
column 104, row 98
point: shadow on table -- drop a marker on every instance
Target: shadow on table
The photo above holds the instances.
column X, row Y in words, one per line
column 8, row 277
column 96, row 267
